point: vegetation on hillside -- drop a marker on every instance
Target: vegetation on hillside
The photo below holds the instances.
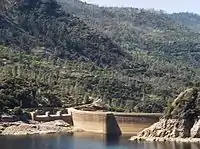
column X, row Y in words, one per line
column 140, row 29
column 52, row 58
column 187, row 19
column 43, row 25
column 31, row 80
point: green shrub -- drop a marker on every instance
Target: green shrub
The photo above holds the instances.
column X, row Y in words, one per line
column 17, row 111
column 149, row 107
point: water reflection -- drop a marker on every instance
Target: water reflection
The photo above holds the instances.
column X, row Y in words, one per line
column 111, row 140
column 85, row 141
column 170, row 145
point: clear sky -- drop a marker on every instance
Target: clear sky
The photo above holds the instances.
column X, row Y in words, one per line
column 166, row 5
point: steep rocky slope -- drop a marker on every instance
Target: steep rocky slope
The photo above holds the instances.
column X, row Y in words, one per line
column 180, row 121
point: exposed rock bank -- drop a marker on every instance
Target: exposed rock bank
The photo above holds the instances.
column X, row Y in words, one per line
column 21, row 128
column 180, row 122
column 160, row 139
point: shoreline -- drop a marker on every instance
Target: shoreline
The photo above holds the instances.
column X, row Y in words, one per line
column 60, row 127
column 163, row 139
column 34, row 128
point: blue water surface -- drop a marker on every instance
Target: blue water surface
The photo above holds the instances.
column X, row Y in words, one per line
column 84, row 141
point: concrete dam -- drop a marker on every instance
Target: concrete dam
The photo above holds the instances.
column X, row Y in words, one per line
column 110, row 123
column 113, row 123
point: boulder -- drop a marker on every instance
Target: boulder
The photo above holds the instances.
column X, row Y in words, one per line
column 195, row 131
column 100, row 104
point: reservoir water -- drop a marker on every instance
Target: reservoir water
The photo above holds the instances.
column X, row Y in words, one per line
column 84, row 141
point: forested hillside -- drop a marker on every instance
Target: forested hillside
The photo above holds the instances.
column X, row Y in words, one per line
column 38, row 25
column 52, row 57
column 190, row 20
column 29, row 81
column 140, row 29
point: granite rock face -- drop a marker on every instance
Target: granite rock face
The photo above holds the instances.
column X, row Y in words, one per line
column 195, row 131
column 180, row 121
column 169, row 128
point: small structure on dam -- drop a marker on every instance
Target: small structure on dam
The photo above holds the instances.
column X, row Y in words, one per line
column 51, row 117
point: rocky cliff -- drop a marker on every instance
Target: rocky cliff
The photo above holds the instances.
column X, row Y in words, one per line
column 181, row 119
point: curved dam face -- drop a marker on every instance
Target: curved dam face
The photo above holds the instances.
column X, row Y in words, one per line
column 113, row 123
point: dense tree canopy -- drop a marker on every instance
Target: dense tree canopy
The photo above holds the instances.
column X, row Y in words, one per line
column 139, row 29
column 187, row 19
column 133, row 59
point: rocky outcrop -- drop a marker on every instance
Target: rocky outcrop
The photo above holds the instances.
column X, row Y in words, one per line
column 96, row 105
column 169, row 128
column 195, row 131
column 180, row 121
column 21, row 128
